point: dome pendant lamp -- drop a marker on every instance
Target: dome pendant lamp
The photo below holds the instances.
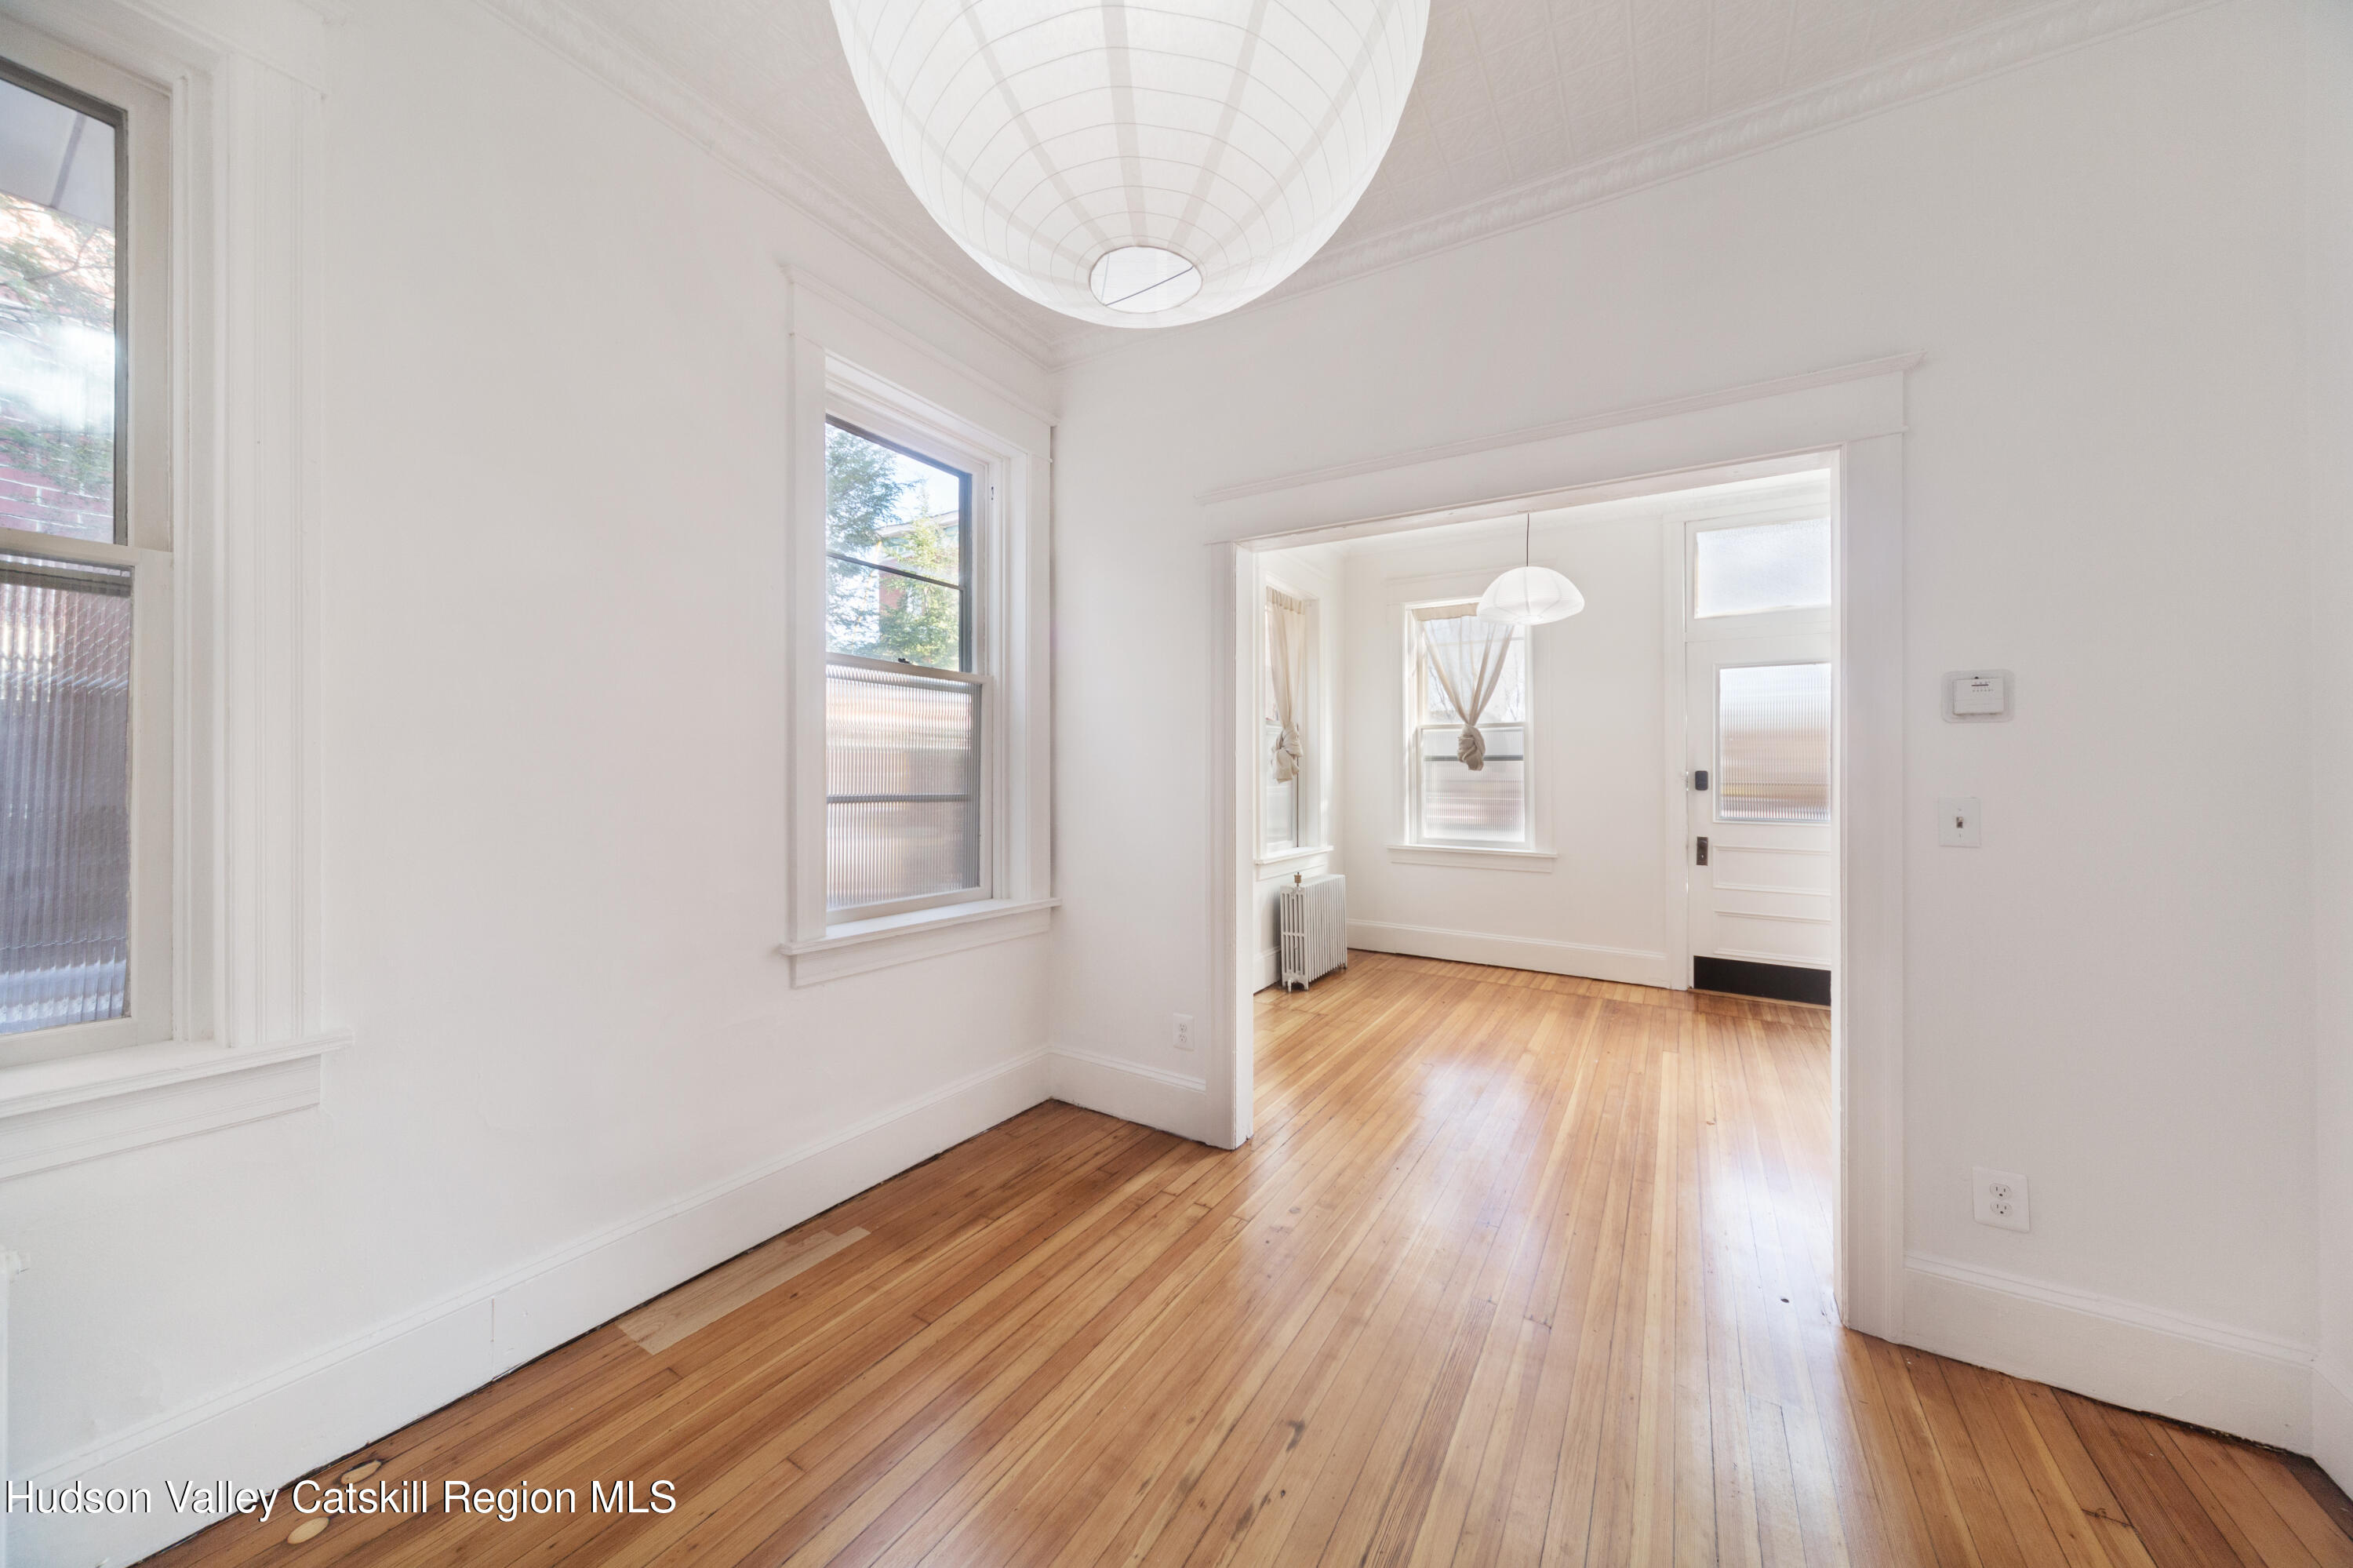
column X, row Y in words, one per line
column 1530, row 595
column 1129, row 165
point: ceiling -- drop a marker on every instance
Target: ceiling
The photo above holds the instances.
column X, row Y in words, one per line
column 1522, row 108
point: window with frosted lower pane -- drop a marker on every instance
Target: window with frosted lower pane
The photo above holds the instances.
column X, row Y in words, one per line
column 903, row 710
column 903, row 787
column 1773, row 744
column 1452, row 802
column 65, row 794
column 1763, row 567
column 61, row 380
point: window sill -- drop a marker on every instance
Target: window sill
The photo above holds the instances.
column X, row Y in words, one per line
column 860, row 947
column 1472, row 859
column 1276, row 864
column 79, row 1108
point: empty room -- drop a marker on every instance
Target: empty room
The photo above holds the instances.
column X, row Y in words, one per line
column 1045, row 783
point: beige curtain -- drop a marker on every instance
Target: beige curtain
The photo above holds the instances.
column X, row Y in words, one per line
column 1286, row 654
column 1467, row 655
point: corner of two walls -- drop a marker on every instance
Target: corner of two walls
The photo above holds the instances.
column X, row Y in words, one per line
column 2328, row 264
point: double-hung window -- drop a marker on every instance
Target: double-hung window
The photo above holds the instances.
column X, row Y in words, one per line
column 1283, row 689
column 905, row 702
column 1449, row 803
column 85, row 600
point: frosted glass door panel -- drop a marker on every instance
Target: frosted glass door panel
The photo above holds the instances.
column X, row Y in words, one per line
column 1773, row 743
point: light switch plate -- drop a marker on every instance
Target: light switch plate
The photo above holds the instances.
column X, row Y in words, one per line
column 1956, row 821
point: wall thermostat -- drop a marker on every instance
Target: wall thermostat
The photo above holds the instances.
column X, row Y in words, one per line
column 1978, row 696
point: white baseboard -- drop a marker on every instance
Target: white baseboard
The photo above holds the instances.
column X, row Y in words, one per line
column 337, row 1399
column 1130, row 1091
column 1270, row 968
column 2332, row 1422
column 1628, row 966
column 2203, row 1372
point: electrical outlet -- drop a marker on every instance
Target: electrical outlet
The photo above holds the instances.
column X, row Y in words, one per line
column 1957, row 823
column 1183, row 1037
column 2001, row 1199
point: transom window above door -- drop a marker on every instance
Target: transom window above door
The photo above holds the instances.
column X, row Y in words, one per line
column 1750, row 570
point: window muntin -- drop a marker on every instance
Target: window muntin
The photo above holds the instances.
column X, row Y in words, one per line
column 1773, row 743
column 905, row 706
column 1450, row 804
column 63, row 385
column 1755, row 567
column 896, row 526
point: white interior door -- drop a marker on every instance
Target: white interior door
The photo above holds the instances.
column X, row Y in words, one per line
column 1760, row 643
column 1763, row 876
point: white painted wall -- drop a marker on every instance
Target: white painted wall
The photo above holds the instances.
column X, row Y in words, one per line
column 1598, row 692
column 553, row 767
column 1312, row 572
column 2102, row 256
column 2328, row 212
column 553, row 692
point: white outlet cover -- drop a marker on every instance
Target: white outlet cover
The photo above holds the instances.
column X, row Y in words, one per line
column 1957, row 823
column 1182, row 1031
column 2000, row 1198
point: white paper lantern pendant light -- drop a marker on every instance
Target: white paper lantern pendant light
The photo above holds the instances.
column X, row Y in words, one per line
column 1530, row 595
column 1136, row 166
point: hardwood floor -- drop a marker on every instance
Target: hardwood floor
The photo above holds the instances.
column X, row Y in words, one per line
column 1519, row 1269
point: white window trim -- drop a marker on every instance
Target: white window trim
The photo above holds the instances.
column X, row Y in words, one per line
column 1413, row 698
column 1472, row 857
column 246, row 1037
column 841, row 363
column 143, row 504
column 1282, row 863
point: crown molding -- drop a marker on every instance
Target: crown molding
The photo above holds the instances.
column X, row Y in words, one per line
column 557, row 27
column 1931, row 69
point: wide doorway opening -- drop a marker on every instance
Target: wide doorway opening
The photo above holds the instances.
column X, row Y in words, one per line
column 1637, row 790
column 1636, row 800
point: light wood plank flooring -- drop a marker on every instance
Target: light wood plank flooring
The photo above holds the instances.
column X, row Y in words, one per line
column 1519, row 1269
